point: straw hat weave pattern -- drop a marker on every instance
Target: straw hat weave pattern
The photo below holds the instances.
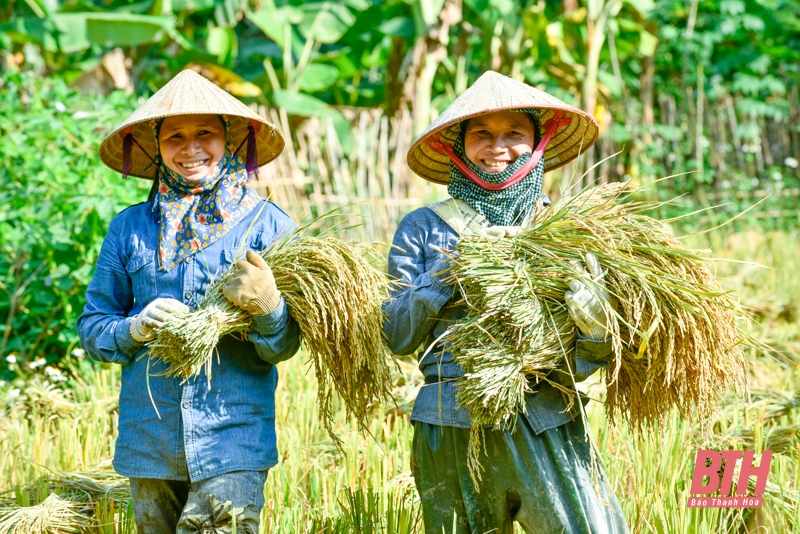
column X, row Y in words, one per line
column 496, row 92
column 188, row 93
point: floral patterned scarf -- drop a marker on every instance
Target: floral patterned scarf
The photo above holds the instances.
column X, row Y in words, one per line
column 195, row 214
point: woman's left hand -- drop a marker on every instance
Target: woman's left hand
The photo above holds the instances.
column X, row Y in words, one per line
column 587, row 307
column 502, row 231
column 252, row 286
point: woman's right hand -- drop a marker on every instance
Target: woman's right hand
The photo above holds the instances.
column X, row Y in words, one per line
column 155, row 314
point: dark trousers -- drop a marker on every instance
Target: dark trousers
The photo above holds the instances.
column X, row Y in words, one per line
column 204, row 507
column 543, row 482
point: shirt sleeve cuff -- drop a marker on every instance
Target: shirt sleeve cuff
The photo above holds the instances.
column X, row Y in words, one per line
column 273, row 321
column 593, row 349
column 445, row 290
column 125, row 342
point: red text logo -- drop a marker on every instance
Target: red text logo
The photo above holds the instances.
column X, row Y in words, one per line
column 709, row 464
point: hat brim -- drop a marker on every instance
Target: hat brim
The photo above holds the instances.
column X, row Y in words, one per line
column 494, row 92
column 188, row 93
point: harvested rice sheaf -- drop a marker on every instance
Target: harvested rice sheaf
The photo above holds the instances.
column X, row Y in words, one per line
column 336, row 297
column 677, row 343
column 93, row 501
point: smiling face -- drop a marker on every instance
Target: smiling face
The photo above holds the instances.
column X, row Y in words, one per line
column 192, row 145
column 495, row 140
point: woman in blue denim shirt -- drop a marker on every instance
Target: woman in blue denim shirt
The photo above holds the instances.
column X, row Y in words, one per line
column 192, row 448
column 539, row 473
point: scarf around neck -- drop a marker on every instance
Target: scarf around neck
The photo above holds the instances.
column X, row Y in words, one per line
column 507, row 207
column 196, row 213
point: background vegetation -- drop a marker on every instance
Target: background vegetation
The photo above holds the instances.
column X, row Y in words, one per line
column 708, row 90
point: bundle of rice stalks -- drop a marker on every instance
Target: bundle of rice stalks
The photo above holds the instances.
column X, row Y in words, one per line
column 778, row 439
column 676, row 339
column 762, row 405
column 336, row 297
column 54, row 515
column 69, row 502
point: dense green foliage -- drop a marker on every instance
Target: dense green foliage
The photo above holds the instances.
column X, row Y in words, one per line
column 708, row 85
column 57, row 203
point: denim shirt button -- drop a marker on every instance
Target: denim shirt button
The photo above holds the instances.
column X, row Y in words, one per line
column 187, row 296
column 190, row 259
column 186, row 405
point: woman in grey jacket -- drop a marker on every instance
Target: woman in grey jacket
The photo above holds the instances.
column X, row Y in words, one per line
column 491, row 147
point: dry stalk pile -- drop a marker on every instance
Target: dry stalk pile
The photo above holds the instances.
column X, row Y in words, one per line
column 677, row 342
column 95, row 501
column 335, row 296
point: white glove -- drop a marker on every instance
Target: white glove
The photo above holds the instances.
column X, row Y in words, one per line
column 585, row 305
column 502, row 231
column 155, row 314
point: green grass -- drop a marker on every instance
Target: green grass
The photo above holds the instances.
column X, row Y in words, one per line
column 316, row 487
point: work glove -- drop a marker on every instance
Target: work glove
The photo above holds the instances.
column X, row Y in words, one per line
column 585, row 305
column 502, row 231
column 155, row 314
column 252, row 286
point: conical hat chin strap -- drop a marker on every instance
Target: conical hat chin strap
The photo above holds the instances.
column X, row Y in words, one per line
column 555, row 122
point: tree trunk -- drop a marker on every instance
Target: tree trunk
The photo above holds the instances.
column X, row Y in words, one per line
column 394, row 76
column 429, row 51
column 648, row 101
column 597, row 16
column 687, row 37
column 698, row 124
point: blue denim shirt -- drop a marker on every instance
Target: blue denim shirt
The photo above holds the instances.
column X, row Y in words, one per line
column 420, row 312
column 202, row 432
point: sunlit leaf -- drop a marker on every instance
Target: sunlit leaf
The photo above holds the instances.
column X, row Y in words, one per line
column 73, row 32
column 300, row 104
column 332, row 21
column 728, row 27
column 125, row 28
column 345, row 65
column 668, row 32
column 611, row 83
column 317, row 77
column 309, row 106
column 273, row 21
column 732, row 7
column 647, row 43
column 642, row 6
column 222, row 43
column 32, row 30
column 398, row 26
column 753, row 23
column 192, row 5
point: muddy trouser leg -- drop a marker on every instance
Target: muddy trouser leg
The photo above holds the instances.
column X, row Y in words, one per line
column 212, row 503
column 157, row 504
column 550, row 475
column 541, row 481
column 439, row 457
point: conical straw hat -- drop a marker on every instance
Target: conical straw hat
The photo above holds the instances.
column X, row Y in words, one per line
column 188, row 93
column 495, row 92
